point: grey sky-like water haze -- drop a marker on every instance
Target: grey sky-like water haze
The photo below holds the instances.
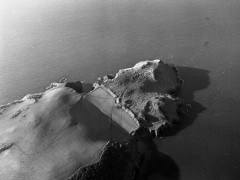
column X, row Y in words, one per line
column 43, row 41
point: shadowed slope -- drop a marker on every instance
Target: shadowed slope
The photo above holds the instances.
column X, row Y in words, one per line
column 145, row 91
column 194, row 80
column 68, row 131
column 51, row 137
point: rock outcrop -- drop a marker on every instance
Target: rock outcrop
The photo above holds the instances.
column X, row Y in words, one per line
column 73, row 132
column 146, row 91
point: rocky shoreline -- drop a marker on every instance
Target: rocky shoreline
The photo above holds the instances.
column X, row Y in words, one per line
column 98, row 134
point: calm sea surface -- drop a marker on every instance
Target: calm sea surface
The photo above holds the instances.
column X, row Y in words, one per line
column 43, row 41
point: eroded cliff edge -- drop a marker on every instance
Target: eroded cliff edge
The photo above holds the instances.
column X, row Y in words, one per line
column 146, row 91
column 69, row 132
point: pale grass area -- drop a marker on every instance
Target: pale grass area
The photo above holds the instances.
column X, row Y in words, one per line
column 62, row 131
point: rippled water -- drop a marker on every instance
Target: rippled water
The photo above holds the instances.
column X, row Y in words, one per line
column 43, row 41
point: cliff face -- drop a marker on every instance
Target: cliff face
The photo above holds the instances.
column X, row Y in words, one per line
column 69, row 132
column 147, row 92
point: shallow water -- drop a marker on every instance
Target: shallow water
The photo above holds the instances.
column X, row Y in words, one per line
column 43, row 41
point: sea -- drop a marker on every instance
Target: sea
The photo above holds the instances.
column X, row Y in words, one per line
column 42, row 41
